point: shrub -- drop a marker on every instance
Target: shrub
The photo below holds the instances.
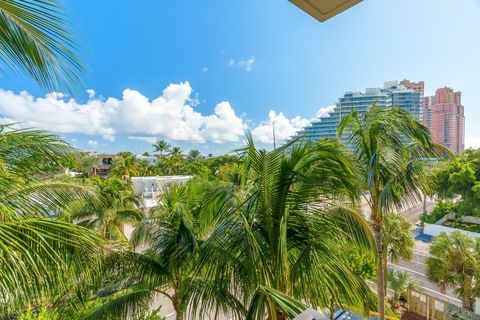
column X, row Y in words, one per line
column 440, row 210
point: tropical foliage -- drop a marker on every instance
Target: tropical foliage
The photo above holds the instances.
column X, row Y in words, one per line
column 40, row 255
column 455, row 263
column 398, row 241
column 161, row 146
column 399, row 282
column 389, row 146
column 284, row 231
column 114, row 206
column 36, row 40
column 460, row 179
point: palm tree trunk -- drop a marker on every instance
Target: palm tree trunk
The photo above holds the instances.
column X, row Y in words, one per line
column 385, row 270
column 176, row 307
column 377, row 232
column 425, row 203
column 467, row 300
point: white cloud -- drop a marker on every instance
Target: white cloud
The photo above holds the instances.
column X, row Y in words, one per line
column 146, row 139
column 92, row 144
column 322, row 112
column 171, row 116
column 91, row 93
column 284, row 127
column 245, row 64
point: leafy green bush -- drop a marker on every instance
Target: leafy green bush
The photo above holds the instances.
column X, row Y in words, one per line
column 472, row 227
column 440, row 210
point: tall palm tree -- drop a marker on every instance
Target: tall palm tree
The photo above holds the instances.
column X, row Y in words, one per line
column 38, row 252
column 389, row 145
column 166, row 248
column 36, row 40
column 398, row 241
column 455, row 261
column 125, row 165
column 176, row 151
column 399, row 282
column 161, row 146
column 284, row 230
column 87, row 164
column 194, row 155
column 114, row 206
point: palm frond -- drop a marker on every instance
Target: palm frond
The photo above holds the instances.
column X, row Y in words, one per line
column 36, row 39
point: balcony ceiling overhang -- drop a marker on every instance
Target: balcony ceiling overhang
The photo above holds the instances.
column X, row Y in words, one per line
column 324, row 9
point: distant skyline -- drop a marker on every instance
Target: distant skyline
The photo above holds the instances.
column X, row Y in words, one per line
column 199, row 76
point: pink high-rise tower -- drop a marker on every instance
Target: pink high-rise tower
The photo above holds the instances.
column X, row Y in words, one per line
column 443, row 114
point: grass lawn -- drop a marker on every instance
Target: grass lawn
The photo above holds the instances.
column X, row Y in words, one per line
column 463, row 225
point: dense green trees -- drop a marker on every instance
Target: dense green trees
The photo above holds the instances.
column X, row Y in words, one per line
column 254, row 246
column 460, row 179
column 455, row 263
column 389, row 145
column 285, row 229
column 113, row 206
column 164, row 261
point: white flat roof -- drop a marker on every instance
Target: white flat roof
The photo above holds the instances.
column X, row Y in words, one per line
column 161, row 178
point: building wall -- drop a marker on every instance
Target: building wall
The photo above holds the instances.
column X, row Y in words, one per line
column 392, row 94
column 417, row 86
column 443, row 114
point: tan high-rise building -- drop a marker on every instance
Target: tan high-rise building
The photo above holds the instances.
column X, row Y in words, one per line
column 443, row 114
column 417, row 86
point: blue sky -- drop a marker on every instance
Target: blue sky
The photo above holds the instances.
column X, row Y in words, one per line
column 228, row 64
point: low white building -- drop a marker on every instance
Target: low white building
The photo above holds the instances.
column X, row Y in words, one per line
column 150, row 187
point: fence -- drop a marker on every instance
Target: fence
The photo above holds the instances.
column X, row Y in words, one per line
column 433, row 308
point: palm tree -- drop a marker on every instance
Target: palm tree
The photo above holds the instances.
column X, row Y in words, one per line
column 283, row 232
column 194, row 155
column 166, row 262
column 87, row 164
column 400, row 282
column 455, row 261
column 398, row 241
column 39, row 254
column 161, row 146
column 176, row 151
column 173, row 164
column 114, row 206
column 389, row 145
column 37, row 41
column 125, row 165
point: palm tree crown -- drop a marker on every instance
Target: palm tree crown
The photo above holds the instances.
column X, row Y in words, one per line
column 389, row 145
column 114, row 206
column 161, row 146
column 283, row 231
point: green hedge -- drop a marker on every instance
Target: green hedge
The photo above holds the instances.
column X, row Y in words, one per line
column 440, row 210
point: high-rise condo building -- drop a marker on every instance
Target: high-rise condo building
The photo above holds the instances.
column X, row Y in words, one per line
column 443, row 114
column 417, row 86
column 393, row 94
